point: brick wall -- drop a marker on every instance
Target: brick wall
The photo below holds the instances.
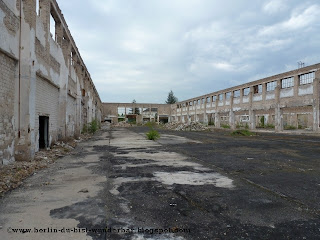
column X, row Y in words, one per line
column 7, row 73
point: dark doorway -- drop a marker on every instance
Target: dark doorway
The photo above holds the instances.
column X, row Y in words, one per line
column 43, row 132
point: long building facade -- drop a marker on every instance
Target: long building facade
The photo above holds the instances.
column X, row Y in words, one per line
column 46, row 92
column 288, row 100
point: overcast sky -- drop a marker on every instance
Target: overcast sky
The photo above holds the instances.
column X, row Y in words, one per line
column 141, row 49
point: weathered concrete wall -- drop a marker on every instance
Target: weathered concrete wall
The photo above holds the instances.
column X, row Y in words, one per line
column 7, row 127
column 296, row 105
column 44, row 75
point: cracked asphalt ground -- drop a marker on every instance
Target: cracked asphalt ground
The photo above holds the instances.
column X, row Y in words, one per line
column 186, row 185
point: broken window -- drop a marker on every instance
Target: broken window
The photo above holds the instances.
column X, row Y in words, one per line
column 257, row 89
column 306, row 78
column 71, row 58
column 52, row 27
column 208, row 99
column 246, row 91
column 221, row 97
column 83, row 92
column 236, row 94
column 214, row 98
column 228, row 95
column 244, row 118
column 287, row 82
column 38, row 7
column 198, row 102
column 203, row 100
column 190, row 103
column 271, row 86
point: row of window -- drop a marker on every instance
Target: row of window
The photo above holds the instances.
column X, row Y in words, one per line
column 271, row 86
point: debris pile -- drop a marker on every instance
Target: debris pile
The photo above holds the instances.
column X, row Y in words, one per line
column 122, row 124
column 192, row 126
column 12, row 175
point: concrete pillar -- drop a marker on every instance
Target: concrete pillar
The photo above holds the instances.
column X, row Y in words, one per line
column 217, row 120
column 252, row 123
column 188, row 109
column 231, row 113
column 315, row 104
column 296, row 85
column 150, row 113
column 264, row 92
column 278, row 111
column 205, row 117
column 195, row 111
column 252, row 116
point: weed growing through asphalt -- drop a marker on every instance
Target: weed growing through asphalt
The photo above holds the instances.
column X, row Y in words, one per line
column 242, row 132
column 152, row 134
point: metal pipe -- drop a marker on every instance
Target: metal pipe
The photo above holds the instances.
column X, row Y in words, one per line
column 19, row 87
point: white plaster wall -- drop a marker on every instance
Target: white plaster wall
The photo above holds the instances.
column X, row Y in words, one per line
column 257, row 98
column 245, row 99
column 236, row 100
column 305, row 90
column 270, row 96
column 8, row 42
column 287, row 92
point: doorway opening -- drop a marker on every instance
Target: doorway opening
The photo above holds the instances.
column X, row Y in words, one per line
column 43, row 132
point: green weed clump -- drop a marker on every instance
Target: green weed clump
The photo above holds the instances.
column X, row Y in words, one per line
column 91, row 127
column 225, row 126
column 242, row 132
column 290, row 127
column 153, row 134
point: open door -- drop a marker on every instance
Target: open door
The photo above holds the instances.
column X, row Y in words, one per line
column 43, row 132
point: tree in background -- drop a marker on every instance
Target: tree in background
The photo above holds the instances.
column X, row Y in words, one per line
column 135, row 110
column 171, row 98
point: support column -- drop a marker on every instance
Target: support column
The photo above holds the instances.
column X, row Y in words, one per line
column 150, row 113
column 278, row 111
column 252, row 116
column 231, row 113
column 316, row 103
column 217, row 120
column 205, row 117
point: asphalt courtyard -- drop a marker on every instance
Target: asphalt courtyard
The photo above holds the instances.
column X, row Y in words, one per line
column 186, row 185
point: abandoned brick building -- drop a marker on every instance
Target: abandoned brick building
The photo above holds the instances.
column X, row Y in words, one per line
column 288, row 100
column 46, row 92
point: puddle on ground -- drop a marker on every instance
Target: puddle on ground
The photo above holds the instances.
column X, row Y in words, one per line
column 192, row 178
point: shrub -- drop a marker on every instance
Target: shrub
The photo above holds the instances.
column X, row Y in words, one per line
column 93, row 126
column 262, row 121
column 289, row 127
column 153, row 134
column 269, row 125
column 225, row 126
column 211, row 123
column 84, row 129
column 242, row 133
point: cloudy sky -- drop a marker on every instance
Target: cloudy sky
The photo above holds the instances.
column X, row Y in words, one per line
column 141, row 49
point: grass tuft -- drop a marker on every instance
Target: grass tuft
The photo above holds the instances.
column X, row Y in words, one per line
column 242, row 132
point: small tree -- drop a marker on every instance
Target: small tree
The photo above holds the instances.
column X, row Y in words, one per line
column 171, row 98
column 135, row 110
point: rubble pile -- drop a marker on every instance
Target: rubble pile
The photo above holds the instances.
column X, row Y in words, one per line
column 192, row 126
column 122, row 124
